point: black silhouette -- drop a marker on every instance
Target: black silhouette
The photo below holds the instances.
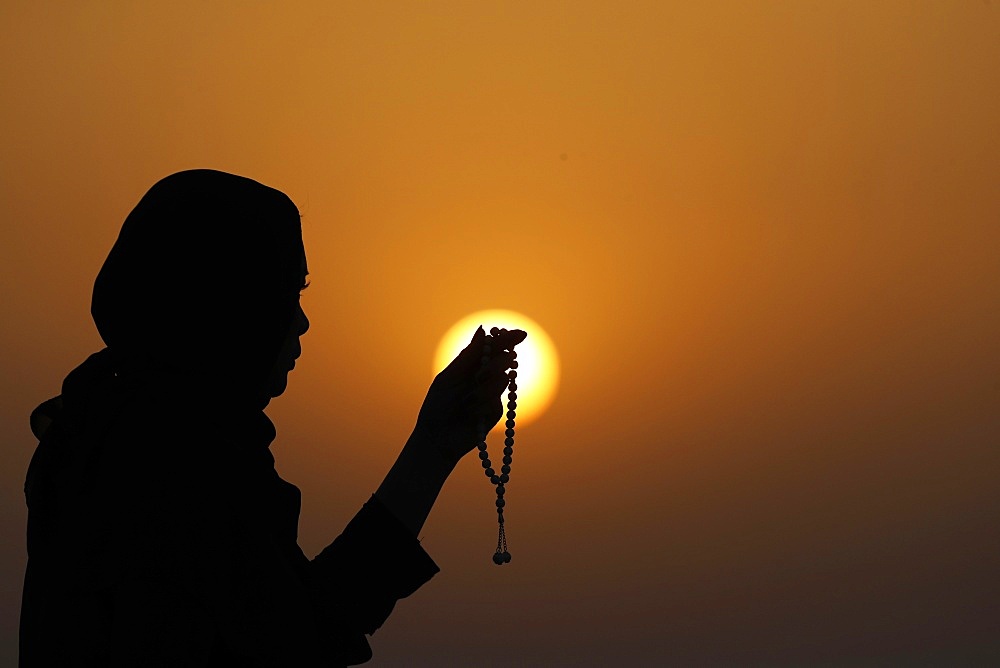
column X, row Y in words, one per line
column 159, row 533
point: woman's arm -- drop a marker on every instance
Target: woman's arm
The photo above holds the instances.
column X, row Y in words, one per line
column 463, row 398
column 413, row 483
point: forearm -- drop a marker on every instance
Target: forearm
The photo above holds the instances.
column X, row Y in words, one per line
column 413, row 483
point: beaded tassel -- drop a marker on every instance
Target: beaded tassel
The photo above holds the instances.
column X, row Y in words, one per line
column 502, row 555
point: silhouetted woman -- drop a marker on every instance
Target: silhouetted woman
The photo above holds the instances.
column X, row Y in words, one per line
column 159, row 533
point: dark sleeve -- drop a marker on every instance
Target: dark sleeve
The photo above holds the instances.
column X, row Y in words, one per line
column 375, row 562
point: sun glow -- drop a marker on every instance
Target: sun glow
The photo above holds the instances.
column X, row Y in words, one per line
column 538, row 362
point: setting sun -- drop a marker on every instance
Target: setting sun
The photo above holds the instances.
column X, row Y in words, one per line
column 538, row 363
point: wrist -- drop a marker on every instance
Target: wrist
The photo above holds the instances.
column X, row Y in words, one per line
column 414, row 481
column 424, row 451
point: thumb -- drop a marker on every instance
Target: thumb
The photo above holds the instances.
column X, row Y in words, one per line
column 466, row 361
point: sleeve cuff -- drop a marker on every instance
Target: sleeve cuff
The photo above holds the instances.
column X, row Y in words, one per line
column 375, row 562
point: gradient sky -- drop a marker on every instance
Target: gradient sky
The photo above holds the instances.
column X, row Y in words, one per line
column 763, row 236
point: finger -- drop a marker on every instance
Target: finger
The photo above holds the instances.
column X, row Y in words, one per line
column 492, row 410
column 497, row 384
column 508, row 338
column 469, row 358
column 485, row 404
column 493, row 377
column 496, row 369
column 497, row 365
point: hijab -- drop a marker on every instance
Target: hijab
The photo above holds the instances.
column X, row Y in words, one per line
column 201, row 285
column 194, row 301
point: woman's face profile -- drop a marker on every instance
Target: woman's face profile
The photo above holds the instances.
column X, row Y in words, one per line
column 291, row 348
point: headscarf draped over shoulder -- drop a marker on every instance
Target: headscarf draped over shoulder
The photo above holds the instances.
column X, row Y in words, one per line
column 193, row 302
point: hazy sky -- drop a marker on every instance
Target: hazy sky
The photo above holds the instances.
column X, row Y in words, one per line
column 763, row 236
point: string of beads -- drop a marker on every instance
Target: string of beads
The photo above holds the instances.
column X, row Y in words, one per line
column 502, row 555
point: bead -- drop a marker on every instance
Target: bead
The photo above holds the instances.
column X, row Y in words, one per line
column 483, row 454
column 501, row 557
column 494, row 331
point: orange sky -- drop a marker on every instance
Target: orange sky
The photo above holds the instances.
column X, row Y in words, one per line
column 763, row 237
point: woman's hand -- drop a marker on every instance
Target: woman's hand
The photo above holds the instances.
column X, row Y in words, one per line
column 465, row 397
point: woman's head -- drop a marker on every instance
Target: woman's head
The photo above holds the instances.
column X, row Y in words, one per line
column 202, row 284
